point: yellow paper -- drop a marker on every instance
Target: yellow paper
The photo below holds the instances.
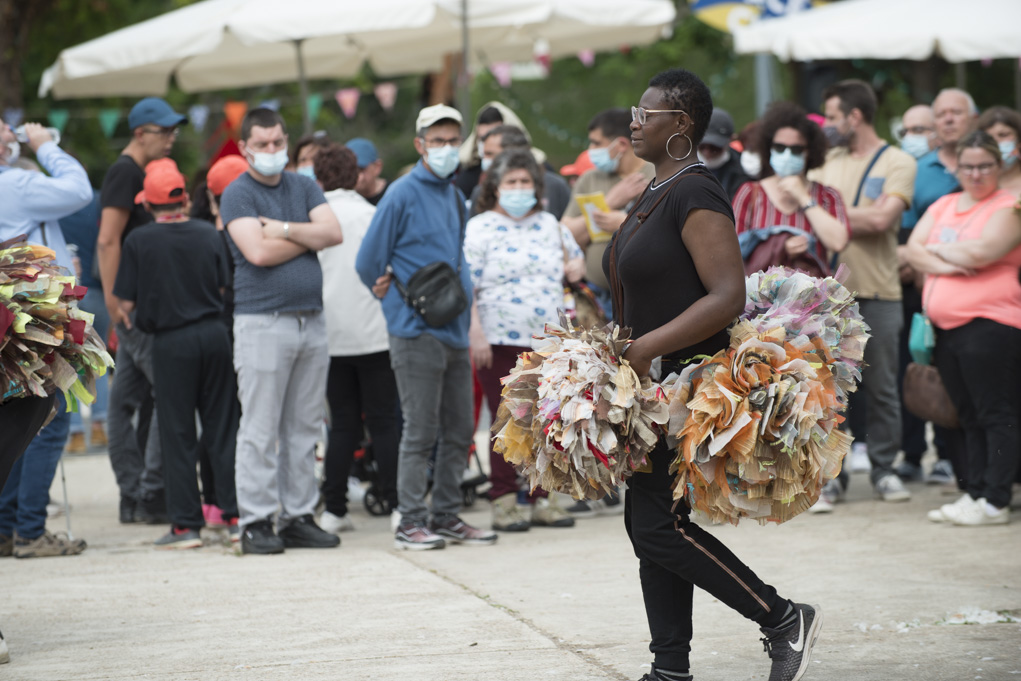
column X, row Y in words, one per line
column 593, row 203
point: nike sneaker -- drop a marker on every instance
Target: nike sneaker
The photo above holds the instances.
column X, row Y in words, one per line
column 790, row 648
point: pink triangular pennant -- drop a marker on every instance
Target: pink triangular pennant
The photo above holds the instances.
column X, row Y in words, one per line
column 386, row 93
column 348, row 100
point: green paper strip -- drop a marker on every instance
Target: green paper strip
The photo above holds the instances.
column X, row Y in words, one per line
column 58, row 118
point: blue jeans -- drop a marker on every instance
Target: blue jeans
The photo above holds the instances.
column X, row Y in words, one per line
column 24, row 497
column 93, row 302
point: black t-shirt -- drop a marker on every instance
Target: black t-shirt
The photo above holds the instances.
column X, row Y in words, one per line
column 122, row 183
column 654, row 267
column 173, row 271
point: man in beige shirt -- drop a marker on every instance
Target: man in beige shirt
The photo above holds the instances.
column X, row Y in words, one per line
column 620, row 176
column 876, row 182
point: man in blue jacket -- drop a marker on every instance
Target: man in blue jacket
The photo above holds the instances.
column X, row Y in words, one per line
column 421, row 220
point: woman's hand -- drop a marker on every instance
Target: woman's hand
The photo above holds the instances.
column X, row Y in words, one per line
column 796, row 245
column 574, row 270
column 478, row 345
column 942, row 266
column 637, row 359
column 794, row 187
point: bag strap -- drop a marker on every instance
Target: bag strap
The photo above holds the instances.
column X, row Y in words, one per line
column 616, row 287
column 459, row 255
column 865, row 176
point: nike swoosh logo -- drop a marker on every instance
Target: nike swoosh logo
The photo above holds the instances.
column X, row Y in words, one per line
column 798, row 645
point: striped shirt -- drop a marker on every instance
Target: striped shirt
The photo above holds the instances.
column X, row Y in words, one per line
column 754, row 210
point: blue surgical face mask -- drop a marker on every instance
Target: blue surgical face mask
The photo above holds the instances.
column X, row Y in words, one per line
column 517, row 202
column 601, row 159
column 442, row 160
column 916, row 145
column 786, row 164
column 269, row 164
column 1007, row 149
column 487, row 163
column 307, row 171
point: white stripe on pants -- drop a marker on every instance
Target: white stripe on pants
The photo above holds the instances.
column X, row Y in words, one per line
column 282, row 362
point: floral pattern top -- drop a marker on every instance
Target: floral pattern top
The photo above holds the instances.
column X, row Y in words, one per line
column 517, row 270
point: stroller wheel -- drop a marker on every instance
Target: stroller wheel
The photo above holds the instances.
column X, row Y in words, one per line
column 374, row 503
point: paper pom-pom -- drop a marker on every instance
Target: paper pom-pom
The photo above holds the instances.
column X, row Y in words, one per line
column 46, row 342
column 575, row 418
column 756, row 424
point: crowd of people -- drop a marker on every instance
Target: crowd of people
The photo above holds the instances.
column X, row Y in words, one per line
column 289, row 277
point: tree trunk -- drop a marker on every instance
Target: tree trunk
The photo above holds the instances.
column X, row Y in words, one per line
column 16, row 18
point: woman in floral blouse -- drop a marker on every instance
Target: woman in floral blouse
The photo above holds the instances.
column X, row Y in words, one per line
column 518, row 255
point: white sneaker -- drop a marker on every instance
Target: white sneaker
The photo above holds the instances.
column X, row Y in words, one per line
column 395, row 519
column 981, row 513
column 335, row 524
column 355, row 491
column 860, row 458
column 890, row 488
column 947, row 512
column 828, row 497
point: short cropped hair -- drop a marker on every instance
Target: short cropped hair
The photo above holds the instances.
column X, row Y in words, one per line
column 512, row 159
column 262, row 117
column 685, row 91
column 511, row 137
column 336, row 167
column 612, row 123
column 854, row 94
column 790, row 115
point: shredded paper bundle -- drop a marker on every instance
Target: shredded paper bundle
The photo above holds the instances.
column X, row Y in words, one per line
column 575, row 418
column 756, row 424
column 46, row 342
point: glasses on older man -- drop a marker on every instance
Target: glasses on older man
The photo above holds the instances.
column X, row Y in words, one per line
column 639, row 113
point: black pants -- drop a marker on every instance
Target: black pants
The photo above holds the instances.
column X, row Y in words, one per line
column 361, row 385
column 20, row 421
column 980, row 364
column 675, row 555
column 193, row 370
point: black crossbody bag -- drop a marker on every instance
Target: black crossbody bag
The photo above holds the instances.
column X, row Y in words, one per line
column 434, row 292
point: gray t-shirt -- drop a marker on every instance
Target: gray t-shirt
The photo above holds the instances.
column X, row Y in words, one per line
column 294, row 285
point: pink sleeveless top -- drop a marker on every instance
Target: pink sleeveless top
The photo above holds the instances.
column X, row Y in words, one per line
column 994, row 292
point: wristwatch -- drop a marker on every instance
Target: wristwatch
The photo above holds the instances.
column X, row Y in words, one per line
column 811, row 204
column 287, row 230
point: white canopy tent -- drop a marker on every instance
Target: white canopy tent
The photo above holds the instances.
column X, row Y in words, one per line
column 219, row 44
column 891, row 29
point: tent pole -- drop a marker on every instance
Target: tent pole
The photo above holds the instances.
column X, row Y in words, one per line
column 303, row 87
column 464, row 84
column 961, row 75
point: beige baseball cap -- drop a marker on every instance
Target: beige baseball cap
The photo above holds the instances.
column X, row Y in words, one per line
column 431, row 115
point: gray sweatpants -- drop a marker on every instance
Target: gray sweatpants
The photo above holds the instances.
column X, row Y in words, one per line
column 282, row 363
column 435, row 386
column 879, row 381
column 137, row 465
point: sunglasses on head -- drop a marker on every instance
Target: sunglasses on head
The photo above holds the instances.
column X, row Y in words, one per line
column 796, row 149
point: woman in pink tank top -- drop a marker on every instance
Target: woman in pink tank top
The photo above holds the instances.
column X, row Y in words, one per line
column 968, row 245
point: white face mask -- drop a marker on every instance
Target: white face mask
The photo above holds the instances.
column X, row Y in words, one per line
column 751, row 164
column 269, row 164
column 714, row 163
column 13, row 152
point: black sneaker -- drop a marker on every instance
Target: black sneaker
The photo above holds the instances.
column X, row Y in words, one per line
column 128, row 511
column 153, row 509
column 791, row 648
column 260, row 538
column 303, row 533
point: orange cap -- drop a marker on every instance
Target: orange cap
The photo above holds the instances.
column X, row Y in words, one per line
column 225, row 171
column 580, row 166
column 163, row 184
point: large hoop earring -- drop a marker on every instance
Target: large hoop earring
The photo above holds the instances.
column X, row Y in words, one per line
column 691, row 147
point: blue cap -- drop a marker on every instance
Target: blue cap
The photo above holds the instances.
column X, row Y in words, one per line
column 156, row 111
column 364, row 150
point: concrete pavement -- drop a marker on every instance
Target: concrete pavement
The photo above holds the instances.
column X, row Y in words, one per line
column 547, row 604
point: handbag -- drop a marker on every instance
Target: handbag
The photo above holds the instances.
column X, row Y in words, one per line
column 435, row 292
column 926, row 397
column 921, row 339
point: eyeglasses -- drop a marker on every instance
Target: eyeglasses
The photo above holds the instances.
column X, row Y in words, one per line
column 982, row 169
column 796, row 149
column 639, row 113
column 162, row 132
column 437, row 142
column 917, row 130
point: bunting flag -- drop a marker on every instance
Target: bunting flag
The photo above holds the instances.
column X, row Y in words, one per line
column 541, row 53
column 386, row 93
column 501, row 70
column 235, row 111
column 14, row 116
column 58, row 118
column 198, row 116
column 348, row 100
column 314, row 103
column 108, row 120
column 273, row 104
column 587, row 57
